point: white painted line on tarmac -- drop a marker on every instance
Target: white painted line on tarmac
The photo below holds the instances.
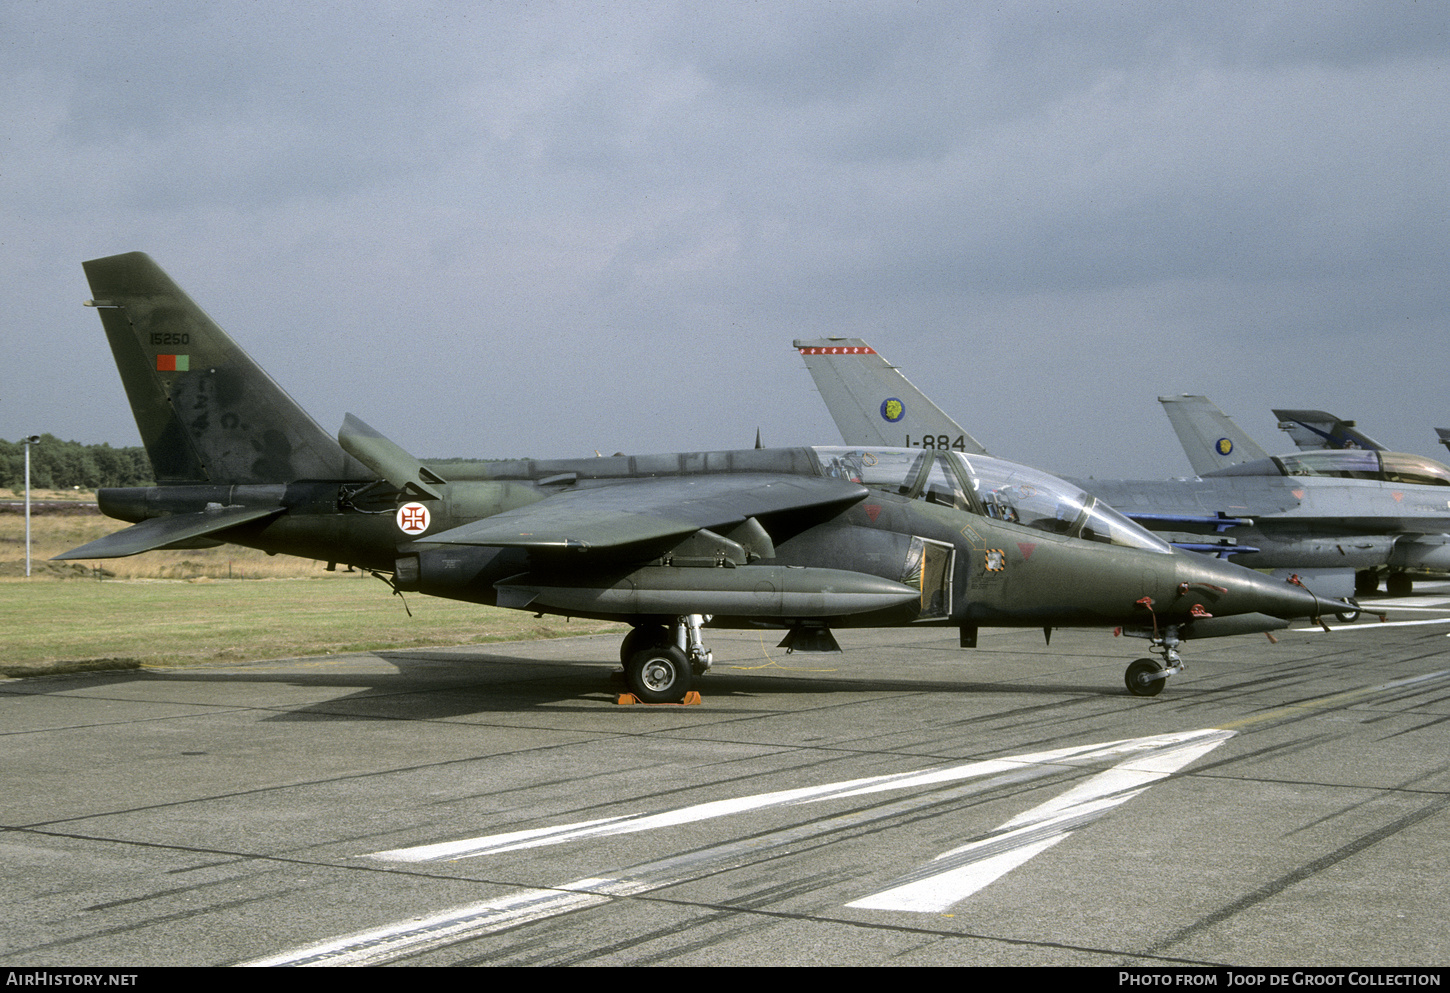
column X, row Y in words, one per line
column 1144, row 758
column 539, row 837
column 1373, row 626
column 955, row 875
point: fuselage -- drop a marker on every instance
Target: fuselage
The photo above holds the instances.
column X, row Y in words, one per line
column 1268, row 522
column 981, row 541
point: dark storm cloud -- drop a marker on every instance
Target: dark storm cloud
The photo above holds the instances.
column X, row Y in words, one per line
column 580, row 226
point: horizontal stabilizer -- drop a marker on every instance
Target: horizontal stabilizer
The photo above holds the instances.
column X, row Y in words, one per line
column 159, row 532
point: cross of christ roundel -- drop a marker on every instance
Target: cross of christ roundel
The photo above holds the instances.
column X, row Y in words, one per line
column 413, row 518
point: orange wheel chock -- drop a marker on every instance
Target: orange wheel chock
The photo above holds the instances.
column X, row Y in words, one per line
column 692, row 699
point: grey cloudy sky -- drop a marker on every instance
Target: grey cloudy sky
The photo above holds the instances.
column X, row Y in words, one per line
column 500, row 229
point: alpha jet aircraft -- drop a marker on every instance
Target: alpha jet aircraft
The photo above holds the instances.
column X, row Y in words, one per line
column 800, row 539
column 1335, row 518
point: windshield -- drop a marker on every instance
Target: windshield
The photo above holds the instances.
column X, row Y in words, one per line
column 1020, row 495
column 1389, row 467
column 1354, row 463
column 1403, row 468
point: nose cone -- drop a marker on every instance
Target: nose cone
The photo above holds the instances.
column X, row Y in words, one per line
column 1224, row 589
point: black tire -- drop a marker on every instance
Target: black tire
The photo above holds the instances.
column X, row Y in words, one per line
column 641, row 637
column 1366, row 581
column 1137, row 685
column 1351, row 615
column 658, row 675
column 1399, row 584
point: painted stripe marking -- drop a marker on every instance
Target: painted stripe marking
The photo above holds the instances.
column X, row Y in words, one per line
column 390, row 942
column 955, row 875
column 1061, row 758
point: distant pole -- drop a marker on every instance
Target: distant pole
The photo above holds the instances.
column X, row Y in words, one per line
column 33, row 439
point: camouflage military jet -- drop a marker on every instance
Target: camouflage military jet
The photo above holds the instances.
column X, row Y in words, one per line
column 799, row 539
column 1337, row 519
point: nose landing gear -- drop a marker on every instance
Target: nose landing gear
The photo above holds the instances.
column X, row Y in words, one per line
column 1146, row 677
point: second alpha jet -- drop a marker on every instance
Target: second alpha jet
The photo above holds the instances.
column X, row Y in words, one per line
column 800, row 539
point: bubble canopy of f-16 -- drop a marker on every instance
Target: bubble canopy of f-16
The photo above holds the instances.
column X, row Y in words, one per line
column 1352, row 463
column 980, row 484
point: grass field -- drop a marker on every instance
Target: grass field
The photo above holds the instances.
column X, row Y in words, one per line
column 51, row 626
column 51, row 534
column 180, row 608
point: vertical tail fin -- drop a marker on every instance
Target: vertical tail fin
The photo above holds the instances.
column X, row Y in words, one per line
column 873, row 404
column 1209, row 437
column 206, row 411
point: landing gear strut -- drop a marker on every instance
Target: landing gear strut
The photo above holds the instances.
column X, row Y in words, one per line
column 1146, row 677
column 660, row 664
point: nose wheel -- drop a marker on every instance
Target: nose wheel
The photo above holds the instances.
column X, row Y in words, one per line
column 1145, row 677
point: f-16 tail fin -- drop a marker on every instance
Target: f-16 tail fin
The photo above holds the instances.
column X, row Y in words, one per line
column 1315, row 429
column 206, row 411
column 873, row 404
column 1209, row 437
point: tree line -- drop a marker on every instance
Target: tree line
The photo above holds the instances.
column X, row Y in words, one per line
column 63, row 465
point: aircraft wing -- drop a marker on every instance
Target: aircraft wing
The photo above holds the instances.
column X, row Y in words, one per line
column 873, row 404
column 158, row 532
column 638, row 511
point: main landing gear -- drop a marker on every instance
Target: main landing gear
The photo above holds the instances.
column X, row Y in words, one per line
column 1146, row 677
column 661, row 662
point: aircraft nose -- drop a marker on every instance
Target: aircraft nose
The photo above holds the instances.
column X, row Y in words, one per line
column 1244, row 591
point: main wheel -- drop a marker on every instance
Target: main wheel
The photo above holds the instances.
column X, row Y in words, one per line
column 658, row 674
column 1366, row 581
column 1399, row 584
column 641, row 637
column 1138, row 678
column 1350, row 615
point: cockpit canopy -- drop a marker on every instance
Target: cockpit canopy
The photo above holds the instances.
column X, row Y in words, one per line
column 979, row 484
column 1351, row 463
